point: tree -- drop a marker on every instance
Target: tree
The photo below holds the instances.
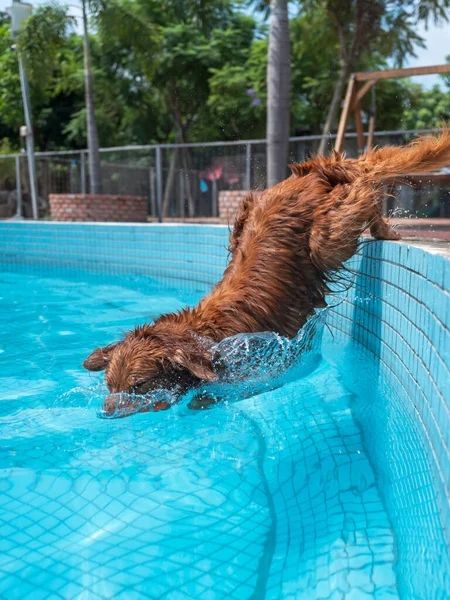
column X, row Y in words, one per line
column 194, row 37
column 53, row 106
column 40, row 41
column 426, row 109
column 188, row 71
column 11, row 111
column 123, row 54
column 357, row 23
column 364, row 25
column 278, row 92
column 315, row 63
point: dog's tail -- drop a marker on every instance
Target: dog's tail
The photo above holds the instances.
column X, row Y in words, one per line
column 420, row 156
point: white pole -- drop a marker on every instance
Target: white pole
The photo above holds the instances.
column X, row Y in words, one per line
column 20, row 11
column 29, row 138
column 18, row 189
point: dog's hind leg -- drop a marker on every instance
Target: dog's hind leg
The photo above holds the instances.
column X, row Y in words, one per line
column 339, row 221
column 242, row 215
column 380, row 228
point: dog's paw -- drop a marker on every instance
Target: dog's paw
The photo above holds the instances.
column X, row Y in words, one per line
column 387, row 233
column 203, row 401
column 393, row 235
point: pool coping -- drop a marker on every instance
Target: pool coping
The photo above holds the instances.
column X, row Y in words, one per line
column 435, row 246
column 431, row 245
column 110, row 223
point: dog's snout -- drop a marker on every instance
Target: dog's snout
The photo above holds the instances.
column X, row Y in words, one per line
column 112, row 403
column 122, row 404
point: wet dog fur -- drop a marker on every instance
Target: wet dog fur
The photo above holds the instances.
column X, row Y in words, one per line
column 286, row 245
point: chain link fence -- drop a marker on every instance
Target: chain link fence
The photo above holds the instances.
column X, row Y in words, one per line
column 184, row 180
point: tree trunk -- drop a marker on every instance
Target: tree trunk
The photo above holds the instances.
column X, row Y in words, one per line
column 92, row 135
column 334, row 107
column 184, row 151
column 278, row 92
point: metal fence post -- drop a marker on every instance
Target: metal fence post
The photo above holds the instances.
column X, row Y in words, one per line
column 18, row 190
column 248, row 166
column 159, row 183
column 151, row 191
column 83, row 172
column 215, row 198
column 181, row 196
column 73, row 177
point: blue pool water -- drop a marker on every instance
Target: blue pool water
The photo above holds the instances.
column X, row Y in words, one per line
column 319, row 488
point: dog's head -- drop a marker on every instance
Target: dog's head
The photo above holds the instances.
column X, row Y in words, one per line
column 149, row 359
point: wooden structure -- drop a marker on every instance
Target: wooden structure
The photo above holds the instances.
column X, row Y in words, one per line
column 355, row 93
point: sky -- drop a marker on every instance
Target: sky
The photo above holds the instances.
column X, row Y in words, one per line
column 437, row 40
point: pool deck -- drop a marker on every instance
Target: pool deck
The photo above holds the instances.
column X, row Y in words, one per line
column 411, row 228
column 438, row 229
column 425, row 228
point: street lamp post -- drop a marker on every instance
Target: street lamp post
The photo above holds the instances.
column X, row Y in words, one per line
column 18, row 12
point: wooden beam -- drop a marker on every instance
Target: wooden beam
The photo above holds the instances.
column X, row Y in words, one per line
column 345, row 114
column 363, row 91
column 393, row 73
column 359, row 128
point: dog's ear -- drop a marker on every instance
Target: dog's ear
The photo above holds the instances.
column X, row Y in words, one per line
column 196, row 360
column 98, row 360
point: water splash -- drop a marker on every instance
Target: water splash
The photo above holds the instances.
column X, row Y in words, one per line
column 250, row 364
column 81, row 396
column 246, row 364
column 260, row 357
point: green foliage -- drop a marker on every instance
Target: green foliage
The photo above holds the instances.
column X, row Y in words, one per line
column 41, row 38
column 426, row 10
column 236, row 86
column 367, row 26
column 7, row 165
column 11, row 111
column 315, row 65
column 6, row 147
column 136, row 36
column 426, row 109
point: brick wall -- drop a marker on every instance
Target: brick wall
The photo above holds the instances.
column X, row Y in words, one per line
column 229, row 202
column 100, row 207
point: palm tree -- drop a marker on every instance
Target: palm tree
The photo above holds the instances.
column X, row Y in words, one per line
column 278, row 92
column 92, row 134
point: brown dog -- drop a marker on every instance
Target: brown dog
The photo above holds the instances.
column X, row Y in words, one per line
column 284, row 247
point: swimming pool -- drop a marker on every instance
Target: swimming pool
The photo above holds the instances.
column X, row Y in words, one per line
column 325, row 487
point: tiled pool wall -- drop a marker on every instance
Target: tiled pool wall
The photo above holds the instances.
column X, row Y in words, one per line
column 398, row 308
column 191, row 256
